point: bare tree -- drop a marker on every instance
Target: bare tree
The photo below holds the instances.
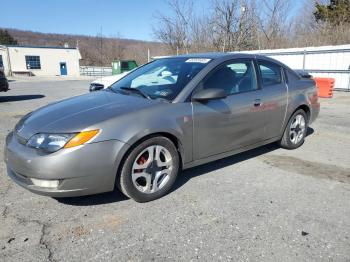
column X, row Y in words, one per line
column 118, row 48
column 231, row 25
column 225, row 22
column 273, row 19
column 174, row 30
column 200, row 35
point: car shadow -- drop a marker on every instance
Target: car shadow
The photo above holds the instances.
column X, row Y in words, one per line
column 182, row 179
column 93, row 200
column 309, row 131
column 19, row 98
column 188, row 174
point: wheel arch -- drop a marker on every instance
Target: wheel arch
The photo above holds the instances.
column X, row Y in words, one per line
column 302, row 106
column 305, row 108
column 173, row 138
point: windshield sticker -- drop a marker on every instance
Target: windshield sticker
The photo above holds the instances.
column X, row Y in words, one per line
column 198, row 60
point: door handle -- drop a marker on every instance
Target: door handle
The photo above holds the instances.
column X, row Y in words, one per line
column 257, row 102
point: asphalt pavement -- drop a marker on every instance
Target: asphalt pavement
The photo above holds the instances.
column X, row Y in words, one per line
column 267, row 204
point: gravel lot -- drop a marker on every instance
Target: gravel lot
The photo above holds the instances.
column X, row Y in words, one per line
column 267, row 204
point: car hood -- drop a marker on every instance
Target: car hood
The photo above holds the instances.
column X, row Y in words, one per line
column 79, row 113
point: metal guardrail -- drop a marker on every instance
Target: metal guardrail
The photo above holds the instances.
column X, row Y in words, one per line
column 95, row 71
column 303, row 52
column 327, row 71
column 342, row 76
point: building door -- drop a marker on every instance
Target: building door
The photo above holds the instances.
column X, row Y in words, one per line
column 63, row 68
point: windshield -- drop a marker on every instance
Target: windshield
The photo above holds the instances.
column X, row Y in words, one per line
column 163, row 78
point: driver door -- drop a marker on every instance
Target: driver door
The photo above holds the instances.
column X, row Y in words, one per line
column 231, row 123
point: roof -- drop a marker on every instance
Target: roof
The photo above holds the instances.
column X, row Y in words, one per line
column 46, row 47
column 213, row 55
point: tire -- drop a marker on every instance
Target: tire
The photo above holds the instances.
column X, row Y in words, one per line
column 294, row 133
column 149, row 170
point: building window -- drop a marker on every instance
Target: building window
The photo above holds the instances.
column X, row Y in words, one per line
column 33, row 62
column 1, row 62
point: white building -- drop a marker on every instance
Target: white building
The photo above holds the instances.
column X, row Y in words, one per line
column 322, row 61
column 39, row 61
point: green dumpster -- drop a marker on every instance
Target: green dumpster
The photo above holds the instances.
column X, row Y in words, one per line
column 121, row 66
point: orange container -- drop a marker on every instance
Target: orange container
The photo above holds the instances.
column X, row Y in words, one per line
column 325, row 86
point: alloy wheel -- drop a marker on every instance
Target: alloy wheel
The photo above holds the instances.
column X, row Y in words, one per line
column 297, row 129
column 151, row 169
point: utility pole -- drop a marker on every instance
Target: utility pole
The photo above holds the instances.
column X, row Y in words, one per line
column 9, row 61
column 101, row 54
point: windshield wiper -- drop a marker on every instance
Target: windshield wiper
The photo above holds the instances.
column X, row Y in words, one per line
column 137, row 91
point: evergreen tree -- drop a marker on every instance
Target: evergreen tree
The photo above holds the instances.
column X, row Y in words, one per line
column 6, row 38
column 337, row 12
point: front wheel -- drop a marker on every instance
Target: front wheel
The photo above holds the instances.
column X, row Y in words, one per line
column 150, row 170
column 295, row 132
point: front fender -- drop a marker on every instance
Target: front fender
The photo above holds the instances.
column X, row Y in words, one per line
column 174, row 119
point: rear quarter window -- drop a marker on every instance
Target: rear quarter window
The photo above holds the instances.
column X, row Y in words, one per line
column 270, row 73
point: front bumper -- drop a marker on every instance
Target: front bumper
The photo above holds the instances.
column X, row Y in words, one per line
column 84, row 170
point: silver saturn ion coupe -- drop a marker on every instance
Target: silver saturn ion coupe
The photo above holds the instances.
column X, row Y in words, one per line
column 167, row 115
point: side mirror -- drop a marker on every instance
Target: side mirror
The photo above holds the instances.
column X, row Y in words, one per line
column 209, row 94
column 96, row 87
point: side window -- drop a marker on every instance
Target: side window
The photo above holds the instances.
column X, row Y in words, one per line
column 233, row 77
column 270, row 73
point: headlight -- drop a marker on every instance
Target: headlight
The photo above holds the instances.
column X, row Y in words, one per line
column 49, row 142
column 54, row 142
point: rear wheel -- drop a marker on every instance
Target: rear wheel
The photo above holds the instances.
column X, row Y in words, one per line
column 295, row 132
column 150, row 169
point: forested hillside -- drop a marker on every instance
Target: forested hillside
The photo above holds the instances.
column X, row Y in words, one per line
column 90, row 46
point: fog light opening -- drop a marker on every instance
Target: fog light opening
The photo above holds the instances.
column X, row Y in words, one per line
column 45, row 183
